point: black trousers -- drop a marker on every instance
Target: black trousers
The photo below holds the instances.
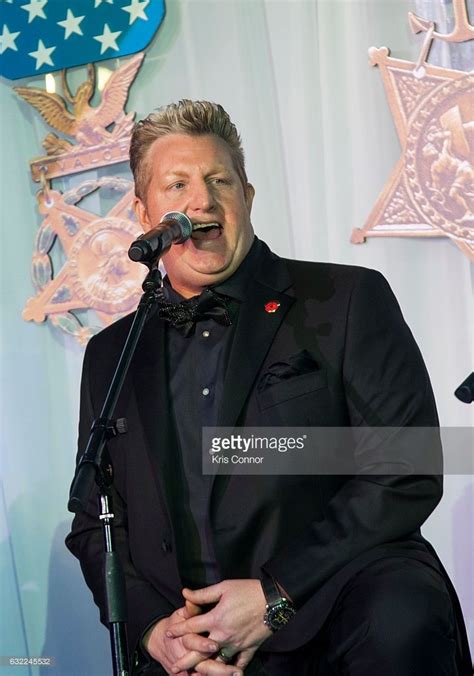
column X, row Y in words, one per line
column 394, row 618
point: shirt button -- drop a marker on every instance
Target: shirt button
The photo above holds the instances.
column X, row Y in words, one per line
column 166, row 546
column 206, row 334
column 205, row 391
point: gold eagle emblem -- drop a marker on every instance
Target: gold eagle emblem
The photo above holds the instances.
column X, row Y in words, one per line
column 86, row 123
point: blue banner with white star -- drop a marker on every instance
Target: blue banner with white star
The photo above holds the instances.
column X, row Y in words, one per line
column 41, row 36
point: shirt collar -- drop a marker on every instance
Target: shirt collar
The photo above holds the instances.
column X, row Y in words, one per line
column 236, row 284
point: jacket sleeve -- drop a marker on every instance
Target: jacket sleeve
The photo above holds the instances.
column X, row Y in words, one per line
column 386, row 386
column 145, row 605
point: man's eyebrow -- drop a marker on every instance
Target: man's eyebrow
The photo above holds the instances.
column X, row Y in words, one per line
column 182, row 172
column 176, row 173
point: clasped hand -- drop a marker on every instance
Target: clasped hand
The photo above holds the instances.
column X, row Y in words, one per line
column 234, row 625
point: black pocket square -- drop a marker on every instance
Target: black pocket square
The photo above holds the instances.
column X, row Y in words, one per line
column 296, row 365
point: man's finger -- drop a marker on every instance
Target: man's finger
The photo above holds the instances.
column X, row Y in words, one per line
column 192, row 609
column 200, row 643
column 214, row 668
column 196, row 625
column 189, row 661
column 210, row 594
column 244, row 658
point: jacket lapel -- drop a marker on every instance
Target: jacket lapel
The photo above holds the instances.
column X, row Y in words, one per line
column 254, row 334
column 256, row 327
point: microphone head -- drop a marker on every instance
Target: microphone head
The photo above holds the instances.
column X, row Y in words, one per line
column 174, row 228
column 183, row 221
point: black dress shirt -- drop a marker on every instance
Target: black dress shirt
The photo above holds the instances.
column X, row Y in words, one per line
column 196, row 366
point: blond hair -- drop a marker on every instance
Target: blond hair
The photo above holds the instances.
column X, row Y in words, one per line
column 185, row 117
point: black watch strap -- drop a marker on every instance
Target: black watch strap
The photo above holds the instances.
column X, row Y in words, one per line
column 270, row 589
column 279, row 609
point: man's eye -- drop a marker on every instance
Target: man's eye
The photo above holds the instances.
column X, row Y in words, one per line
column 219, row 181
column 179, row 185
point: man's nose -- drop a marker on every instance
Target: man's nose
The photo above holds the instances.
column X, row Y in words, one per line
column 201, row 197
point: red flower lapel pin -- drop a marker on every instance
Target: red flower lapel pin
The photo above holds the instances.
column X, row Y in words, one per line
column 272, row 306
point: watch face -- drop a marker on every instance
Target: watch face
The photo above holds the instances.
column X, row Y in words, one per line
column 279, row 615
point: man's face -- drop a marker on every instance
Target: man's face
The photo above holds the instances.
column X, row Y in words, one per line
column 196, row 175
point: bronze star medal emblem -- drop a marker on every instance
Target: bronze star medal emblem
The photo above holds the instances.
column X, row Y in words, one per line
column 431, row 190
column 86, row 229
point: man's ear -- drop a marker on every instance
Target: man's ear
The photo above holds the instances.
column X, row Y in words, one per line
column 141, row 213
column 249, row 195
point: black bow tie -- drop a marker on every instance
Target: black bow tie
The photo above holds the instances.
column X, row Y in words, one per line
column 184, row 315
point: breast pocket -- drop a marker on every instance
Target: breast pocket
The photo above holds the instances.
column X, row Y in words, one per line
column 291, row 388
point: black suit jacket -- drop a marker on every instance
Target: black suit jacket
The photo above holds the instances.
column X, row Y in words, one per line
column 310, row 532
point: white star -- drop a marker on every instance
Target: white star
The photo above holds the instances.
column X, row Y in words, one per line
column 136, row 10
column 34, row 9
column 107, row 39
column 42, row 55
column 71, row 24
column 7, row 40
column 99, row 2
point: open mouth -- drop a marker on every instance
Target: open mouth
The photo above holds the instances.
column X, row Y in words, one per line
column 206, row 231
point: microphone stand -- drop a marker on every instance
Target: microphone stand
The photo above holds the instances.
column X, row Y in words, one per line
column 95, row 466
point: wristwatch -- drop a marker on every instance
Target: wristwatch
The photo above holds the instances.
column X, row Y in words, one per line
column 279, row 609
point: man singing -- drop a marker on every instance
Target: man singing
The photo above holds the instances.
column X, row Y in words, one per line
column 321, row 575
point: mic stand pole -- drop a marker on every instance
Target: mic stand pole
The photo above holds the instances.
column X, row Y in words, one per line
column 95, row 466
